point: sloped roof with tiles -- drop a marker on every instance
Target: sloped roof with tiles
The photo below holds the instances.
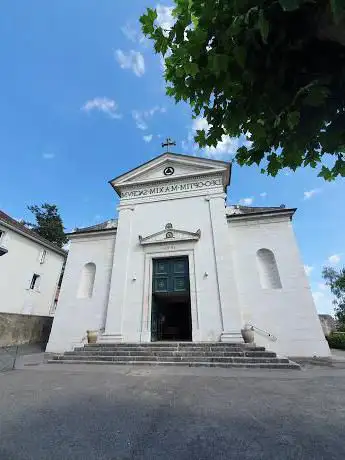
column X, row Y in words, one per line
column 103, row 226
column 237, row 211
column 14, row 225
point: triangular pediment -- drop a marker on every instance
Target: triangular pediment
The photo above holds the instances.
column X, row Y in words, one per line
column 171, row 166
column 169, row 235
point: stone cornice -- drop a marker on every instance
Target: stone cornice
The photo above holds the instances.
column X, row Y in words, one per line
column 187, row 178
column 177, row 187
column 169, row 235
column 92, row 233
column 264, row 217
column 168, row 179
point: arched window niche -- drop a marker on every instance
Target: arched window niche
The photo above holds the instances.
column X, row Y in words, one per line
column 87, row 281
column 268, row 269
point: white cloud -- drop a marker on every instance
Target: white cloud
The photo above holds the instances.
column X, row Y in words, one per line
column 139, row 120
column 310, row 193
column 199, row 124
column 318, row 295
column 263, row 194
column 148, row 138
column 67, row 245
column 226, row 147
column 308, row 269
column 141, row 117
column 165, row 18
column 322, row 286
column 48, row 156
column 134, row 61
column 162, row 62
column 102, row 104
column 132, row 33
column 323, row 302
column 246, row 201
column 334, row 259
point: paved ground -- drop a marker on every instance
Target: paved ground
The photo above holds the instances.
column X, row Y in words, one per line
column 10, row 354
column 58, row 412
column 338, row 355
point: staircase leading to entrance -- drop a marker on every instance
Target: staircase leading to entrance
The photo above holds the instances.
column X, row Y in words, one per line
column 234, row 355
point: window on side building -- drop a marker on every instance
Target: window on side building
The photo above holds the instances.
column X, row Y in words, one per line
column 43, row 256
column 35, row 282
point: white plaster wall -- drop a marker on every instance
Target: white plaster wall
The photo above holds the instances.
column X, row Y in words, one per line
column 74, row 316
column 288, row 313
column 17, row 268
column 190, row 214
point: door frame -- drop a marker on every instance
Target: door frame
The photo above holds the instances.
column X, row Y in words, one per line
column 145, row 334
column 186, row 291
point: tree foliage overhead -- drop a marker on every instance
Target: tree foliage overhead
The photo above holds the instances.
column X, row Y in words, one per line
column 48, row 223
column 273, row 69
column 335, row 279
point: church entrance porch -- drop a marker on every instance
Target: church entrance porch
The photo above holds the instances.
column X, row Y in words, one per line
column 171, row 306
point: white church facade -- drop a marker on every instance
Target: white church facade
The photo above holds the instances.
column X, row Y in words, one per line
column 179, row 265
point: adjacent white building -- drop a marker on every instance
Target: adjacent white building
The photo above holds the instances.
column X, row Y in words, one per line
column 178, row 264
column 30, row 269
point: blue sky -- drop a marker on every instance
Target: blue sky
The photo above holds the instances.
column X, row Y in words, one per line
column 82, row 100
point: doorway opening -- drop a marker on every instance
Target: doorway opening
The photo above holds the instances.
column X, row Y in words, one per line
column 171, row 309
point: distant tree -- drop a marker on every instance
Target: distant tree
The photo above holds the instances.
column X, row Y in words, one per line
column 48, row 223
column 335, row 279
column 270, row 69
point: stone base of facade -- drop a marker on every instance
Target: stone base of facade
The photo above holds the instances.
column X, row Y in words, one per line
column 231, row 337
column 110, row 338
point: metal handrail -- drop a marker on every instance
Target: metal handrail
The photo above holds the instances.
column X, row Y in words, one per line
column 271, row 336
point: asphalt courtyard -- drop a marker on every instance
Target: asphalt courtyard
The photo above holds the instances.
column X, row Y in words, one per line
column 106, row 412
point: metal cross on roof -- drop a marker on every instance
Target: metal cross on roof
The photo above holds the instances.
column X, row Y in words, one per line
column 168, row 143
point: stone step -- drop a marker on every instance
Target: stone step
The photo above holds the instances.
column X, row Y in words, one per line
column 254, row 354
column 162, row 359
column 169, row 344
column 168, row 349
column 277, row 366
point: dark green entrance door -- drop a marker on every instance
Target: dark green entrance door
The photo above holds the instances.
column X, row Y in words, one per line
column 171, row 316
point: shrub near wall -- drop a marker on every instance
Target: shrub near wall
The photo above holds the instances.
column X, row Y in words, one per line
column 336, row 340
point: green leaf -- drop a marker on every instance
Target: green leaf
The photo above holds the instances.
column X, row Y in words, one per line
column 293, row 119
column 277, row 121
column 147, row 20
column 246, row 68
column 252, row 10
column 264, row 26
column 259, row 132
column 326, row 173
column 162, row 43
column 339, row 167
column 219, row 63
column 290, row 5
column 316, row 96
column 180, row 71
column 240, row 54
column 274, row 164
column 191, row 68
column 337, row 8
column 200, row 138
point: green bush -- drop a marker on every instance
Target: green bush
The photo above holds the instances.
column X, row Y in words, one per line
column 336, row 340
